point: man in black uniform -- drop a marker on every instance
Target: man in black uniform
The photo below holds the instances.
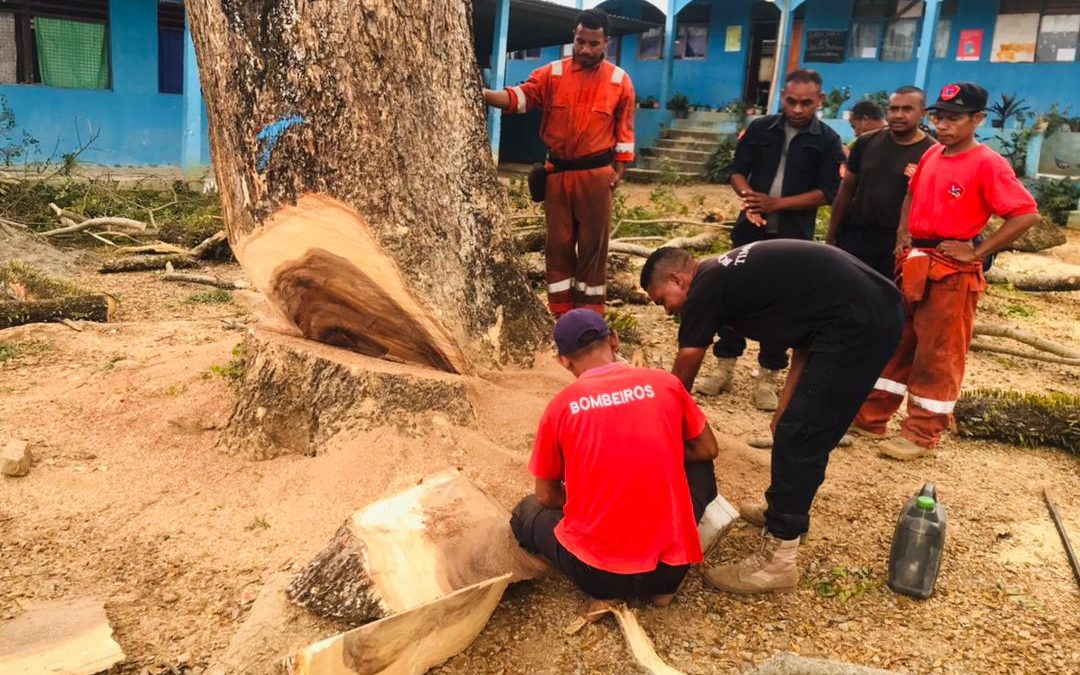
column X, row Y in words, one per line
column 866, row 212
column 843, row 321
column 785, row 167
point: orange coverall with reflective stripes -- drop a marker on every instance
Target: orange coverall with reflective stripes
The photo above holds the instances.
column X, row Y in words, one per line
column 586, row 112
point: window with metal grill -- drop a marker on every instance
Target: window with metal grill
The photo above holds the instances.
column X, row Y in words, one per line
column 1044, row 31
column 61, row 43
column 170, row 34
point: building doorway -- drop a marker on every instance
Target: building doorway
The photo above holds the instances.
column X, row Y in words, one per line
column 764, row 25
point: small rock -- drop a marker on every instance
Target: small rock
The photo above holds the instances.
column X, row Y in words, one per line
column 170, row 598
column 15, row 458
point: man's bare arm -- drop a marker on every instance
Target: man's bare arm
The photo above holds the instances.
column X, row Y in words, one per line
column 903, row 234
column 703, row 447
column 687, row 363
column 1011, row 230
column 839, row 207
column 550, row 493
column 497, row 98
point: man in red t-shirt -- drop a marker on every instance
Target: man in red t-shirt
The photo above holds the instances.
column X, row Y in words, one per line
column 623, row 467
column 957, row 186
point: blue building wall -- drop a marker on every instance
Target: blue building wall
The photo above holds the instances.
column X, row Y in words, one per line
column 1040, row 84
column 135, row 124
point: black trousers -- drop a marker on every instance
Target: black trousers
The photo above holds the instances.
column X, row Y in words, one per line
column 832, row 387
column 731, row 345
column 534, row 528
column 874, row 247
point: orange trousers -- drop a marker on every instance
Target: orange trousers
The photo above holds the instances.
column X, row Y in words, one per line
column 578, row 209
column 940, row 297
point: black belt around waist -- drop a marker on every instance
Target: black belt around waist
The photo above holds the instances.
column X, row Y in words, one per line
column 582, row 163
column 933, row 243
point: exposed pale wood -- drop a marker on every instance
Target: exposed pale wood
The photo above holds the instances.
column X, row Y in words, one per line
column 408, row 643
column 68, row 636
column 142, row 263
column 157, row 248
column 209, row 243
column 106, row 221
column 206, row 279
column 638, row 641
column 315, row 121
column 79, row 307
column 413, row 548
column 65, row 213
column 1035, row 341
column 984, row 346
column 295, row 395
column 1037, row 283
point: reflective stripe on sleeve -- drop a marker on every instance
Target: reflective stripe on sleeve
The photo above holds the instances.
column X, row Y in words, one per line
column 560, row 286
column 940, row 407
column 618, row 75
column 520, row 93
column 624, row 147
column 891, row 386
column 556, row 67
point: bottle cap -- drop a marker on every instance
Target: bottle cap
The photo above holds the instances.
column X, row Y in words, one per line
column 925, row 503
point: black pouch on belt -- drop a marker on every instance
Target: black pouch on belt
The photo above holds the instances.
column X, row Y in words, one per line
column 538, row 182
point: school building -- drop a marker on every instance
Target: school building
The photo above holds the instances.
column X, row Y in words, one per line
column 122, row 72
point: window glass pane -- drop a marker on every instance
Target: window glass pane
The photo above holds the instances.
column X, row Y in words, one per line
column 909, row 9
column 8, row 54
column 1057, row 38
column 941, row 38
column 899, row 40
column 651, row 44
column 614, row 46
column 1014, row 38
column 567, row 50
column 695, row 41
column 865, row 37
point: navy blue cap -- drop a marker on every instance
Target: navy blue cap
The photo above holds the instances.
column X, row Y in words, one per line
column 579, row 328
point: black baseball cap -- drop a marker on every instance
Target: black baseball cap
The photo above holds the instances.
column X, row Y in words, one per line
column 961, row 97
column 579, row 328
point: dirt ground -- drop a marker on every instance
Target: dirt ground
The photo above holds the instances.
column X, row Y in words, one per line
column 132, row 500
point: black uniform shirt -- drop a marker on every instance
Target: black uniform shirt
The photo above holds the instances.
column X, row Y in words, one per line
column 786, row 292
column 883, row 167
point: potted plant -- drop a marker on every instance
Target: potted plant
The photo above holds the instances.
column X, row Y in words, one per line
column 834, row 101
column 1008, row 106
column 650, row 103
column 679, row 104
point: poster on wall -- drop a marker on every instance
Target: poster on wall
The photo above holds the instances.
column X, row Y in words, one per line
column 733, row 39
column 825, row 46
column 970, row 47
column 1057, row 38
column 1014, row 38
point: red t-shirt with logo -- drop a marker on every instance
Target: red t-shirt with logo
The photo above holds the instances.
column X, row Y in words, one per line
column 952, row 196
column 615, row 436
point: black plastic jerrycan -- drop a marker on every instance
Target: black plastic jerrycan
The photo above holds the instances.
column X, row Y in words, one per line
column 917, row 545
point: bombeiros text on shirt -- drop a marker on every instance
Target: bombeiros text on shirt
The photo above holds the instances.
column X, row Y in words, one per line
column 614, row 398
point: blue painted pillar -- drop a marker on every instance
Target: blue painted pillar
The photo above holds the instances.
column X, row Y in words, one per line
column 191, row 139
column 498, row 71
column 783, row 47
column 669, row 55
column 926, row 43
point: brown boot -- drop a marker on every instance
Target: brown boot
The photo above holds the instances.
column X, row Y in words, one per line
column 866, row 433
column 772, row 569
column 753, row 513
column 903, row 449
column 765, row 397
column 719, row 381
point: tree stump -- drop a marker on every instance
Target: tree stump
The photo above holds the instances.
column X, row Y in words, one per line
column 357, row 184
column 295, row 395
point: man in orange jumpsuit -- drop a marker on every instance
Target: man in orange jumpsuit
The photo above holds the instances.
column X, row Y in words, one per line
column 588, row 127
column 957, row 186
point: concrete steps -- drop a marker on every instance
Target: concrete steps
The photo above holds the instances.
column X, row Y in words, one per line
column 677, row 154
column 640, row 175
column 684, row 148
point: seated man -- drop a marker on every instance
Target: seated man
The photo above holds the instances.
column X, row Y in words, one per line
column 623, row 467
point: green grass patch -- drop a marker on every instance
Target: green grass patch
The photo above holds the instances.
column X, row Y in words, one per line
column 24, row 280
column 217, row 296
column 231, row 371
column 13, row 351
column 1020, row 311
column 844, row 583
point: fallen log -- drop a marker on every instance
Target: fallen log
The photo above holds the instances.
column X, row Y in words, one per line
column 414, row 548
column 158, row 248
column 121, row 223
column 408, row 643
column 142, row 263
column 53, row 310
column 205, row 279
column 984, row 346
column 1035, row 341
column 696, row 242
column 1021, row 419
column 1037, row 284
column 203, row 248
column 69, row 636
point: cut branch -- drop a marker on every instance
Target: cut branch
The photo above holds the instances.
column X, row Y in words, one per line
column 140, row 263
column 207, row 279
column 122, row 223
column 1037, row 284
column 983, row 346
column 209, row 243
column 158, row 248
column 1035, row 341
column 79, row 307
column 696, row 242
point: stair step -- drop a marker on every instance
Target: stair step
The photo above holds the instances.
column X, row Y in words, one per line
column 713, row 117
column 701, row 136
column 699, row 125
column 676, row 144
column 640, row 175
column 677, row 165
column 677, row 154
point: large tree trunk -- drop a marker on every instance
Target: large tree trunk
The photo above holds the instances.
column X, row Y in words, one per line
column 359, row 193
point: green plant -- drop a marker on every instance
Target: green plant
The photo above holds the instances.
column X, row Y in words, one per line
column 624, row 323
column 217, row 296
column 679, row 104
column 1054, row 120
column 1010, row 105
column 1020, row 311
column 717, row 169
column 10, row 148
column 1056, row 197
column 880, row 97
column 25, row 281
column 231, row 371
column 821, row 222
column 835, row 100
column 13, row 351
column 1014, row 147
column 843, row 583
column 258, row 523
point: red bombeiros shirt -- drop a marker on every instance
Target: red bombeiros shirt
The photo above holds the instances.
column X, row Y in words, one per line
column 615, row 436
column 952, row 197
